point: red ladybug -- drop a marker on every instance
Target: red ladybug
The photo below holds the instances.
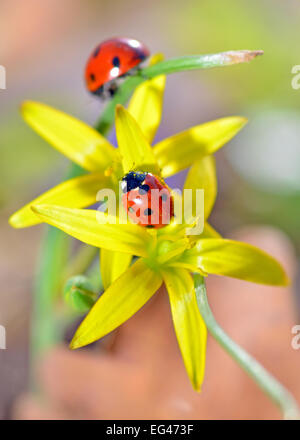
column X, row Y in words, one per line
column 147, row 199
column 112, row 59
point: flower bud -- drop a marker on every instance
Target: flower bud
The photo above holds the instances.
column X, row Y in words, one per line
column 79, row 293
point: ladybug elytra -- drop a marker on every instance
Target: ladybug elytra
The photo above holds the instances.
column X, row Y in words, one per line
column 111, row 60
column 147, row 199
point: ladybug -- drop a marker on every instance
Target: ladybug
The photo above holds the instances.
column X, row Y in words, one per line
column 110, row 60
column 147, row 199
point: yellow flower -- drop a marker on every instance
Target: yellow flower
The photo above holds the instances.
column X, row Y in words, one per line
column 89, row 149
column 165, row 256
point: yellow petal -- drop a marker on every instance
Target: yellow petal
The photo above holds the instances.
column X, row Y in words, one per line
column 184, row 263
column 147, row 102
column 136, row 152
column 112, row 265
column 72, row 137
column 202, row 175
column 74, row 193
column 189, row 325
column 183, row 149
column 118, row 303
column 235, row 259
column 96, row 228
column 209, row 232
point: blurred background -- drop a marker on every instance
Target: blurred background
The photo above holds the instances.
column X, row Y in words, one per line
column 44, row 47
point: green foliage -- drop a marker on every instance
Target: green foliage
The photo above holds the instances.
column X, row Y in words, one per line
column 79, row 294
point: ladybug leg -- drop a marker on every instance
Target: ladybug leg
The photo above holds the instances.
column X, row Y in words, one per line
column 126, row 74
column 137, row 70
column 100, row 93
column 113, row 87
column 108, row 90
column 140, row 72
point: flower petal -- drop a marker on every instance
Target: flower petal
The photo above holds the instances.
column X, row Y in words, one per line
column 183, row 149
column 112, row 265
column 209, row 232
column 72, row 137
column 118, row 303
column 147, row 102
column 136, row 152
column 189, row 325
column 202, row 175
column 235, row 259
column 74, row 193
column 96, row 228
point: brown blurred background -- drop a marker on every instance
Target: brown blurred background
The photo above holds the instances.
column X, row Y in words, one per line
column 44, row 46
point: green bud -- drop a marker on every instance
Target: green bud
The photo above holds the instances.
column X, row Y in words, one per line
column 79, row 293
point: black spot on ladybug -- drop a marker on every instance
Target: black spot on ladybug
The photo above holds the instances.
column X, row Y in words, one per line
column 133, row 180
column 148, row 211
column 139, row 55
column 97, row 50
column 92, row 77
column 143, row 189
column 116, row 61
column 164, row 197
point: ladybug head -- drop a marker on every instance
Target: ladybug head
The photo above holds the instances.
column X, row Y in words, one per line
column 132, row 180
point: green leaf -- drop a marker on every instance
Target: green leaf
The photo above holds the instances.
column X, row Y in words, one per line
column 171, row 66
column 193, row 62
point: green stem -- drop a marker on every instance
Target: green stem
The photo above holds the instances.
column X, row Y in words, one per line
column 80, row 262
column 167, row 67
column 280, row 396
column 45, row 331
column 46, row 285
column 53, row 255
column 207, row 61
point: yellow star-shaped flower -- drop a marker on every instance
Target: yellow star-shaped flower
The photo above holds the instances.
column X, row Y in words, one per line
column 165, row 256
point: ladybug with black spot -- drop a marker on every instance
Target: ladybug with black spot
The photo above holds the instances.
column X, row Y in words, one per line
column 111, row 60
column 147, row 199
